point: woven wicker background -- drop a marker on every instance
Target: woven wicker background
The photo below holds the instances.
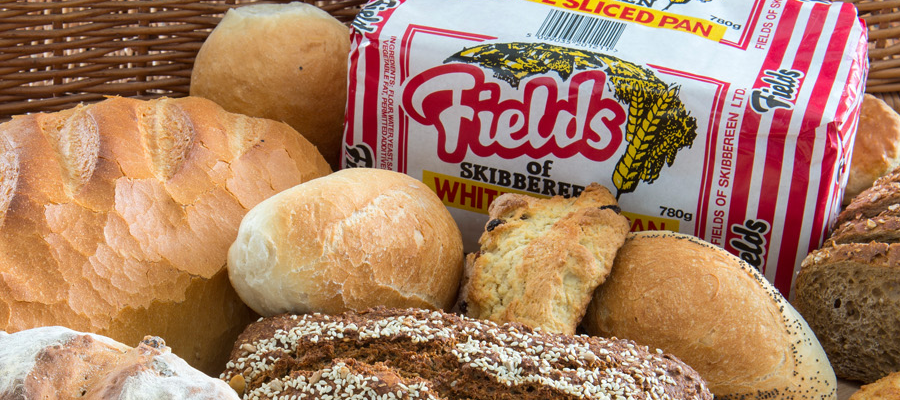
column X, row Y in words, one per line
column 883, row 20
column 55, row 54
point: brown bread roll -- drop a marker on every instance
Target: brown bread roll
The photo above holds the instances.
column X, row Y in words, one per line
column 850, row 294
column 62, row 364
column 714, row 311
column 115, row 218
column 286, row 62
column 420, row 354
column 352, row 240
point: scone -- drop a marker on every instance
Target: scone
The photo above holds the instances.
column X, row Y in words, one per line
column 388, row 353
column 541, row 259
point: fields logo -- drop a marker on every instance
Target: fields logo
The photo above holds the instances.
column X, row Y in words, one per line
column 471, row 115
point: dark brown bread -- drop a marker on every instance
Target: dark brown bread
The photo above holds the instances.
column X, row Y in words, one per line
column 391, row 353
column 850, row 296
column 883, row 195
column 883, row 228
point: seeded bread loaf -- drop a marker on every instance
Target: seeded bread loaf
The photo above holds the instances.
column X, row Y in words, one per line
column 116, row 217
column 61, row 364
column 850, row 294
column 407, row 354
column 541, row 259
column 714, row 311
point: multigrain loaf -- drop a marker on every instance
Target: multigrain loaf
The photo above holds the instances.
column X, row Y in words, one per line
column 876, row 150
column 61, row 364
column 714, row 311
column 883, row 195
column 352, row 240
column 116, row 217
column 541, row 259
column 850, row 294
column 408, row 354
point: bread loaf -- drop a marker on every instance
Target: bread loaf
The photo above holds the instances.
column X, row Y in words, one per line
column 714, row 311
column 876, row 150
column 850, row 294
column 541, row 259
column 409, row 354
column 352, row 240
column 58, row 363
column 286, row 62
column 115, row 218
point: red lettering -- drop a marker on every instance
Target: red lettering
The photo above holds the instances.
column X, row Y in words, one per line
column 704, row 30
column 608, row 13
column 570, row 4
column 583, row 6
column 443, row 192
column 471, row 194
column 684, row 25
column 644, row 17
column 667, row 20
column 627, row 13
column 472, row 118
column 548, row 2
column 599, row 7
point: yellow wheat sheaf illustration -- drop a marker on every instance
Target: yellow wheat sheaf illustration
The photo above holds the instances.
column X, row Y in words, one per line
column 658, row 124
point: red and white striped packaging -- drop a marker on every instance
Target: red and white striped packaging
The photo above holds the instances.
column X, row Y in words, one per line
column 730, row 121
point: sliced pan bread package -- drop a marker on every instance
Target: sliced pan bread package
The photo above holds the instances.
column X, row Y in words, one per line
column 731, row 122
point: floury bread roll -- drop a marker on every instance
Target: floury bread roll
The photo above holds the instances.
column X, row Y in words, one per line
column 59, row 363
column 286, row 62
column 115, row 218
column 354, row 239
column 714, row 311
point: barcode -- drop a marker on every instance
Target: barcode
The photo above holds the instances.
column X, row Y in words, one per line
column 580, row 29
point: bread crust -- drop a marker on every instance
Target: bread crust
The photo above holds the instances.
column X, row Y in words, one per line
column 286, row 62
column 876, row 150
column 429, row 354
column 848, row 293
column 716, row 312
column 355, row 239
column 122, row 213
column 58, row 363
column 541, row 259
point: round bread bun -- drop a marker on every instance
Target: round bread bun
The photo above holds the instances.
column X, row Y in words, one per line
column 351, row 240
column 876, row 150
column 286, row 62
column 715, row 312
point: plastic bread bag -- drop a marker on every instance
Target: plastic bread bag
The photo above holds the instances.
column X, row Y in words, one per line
column 733, row 122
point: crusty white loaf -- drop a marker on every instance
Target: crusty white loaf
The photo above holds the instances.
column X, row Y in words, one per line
column 286, row 62
column 355, row 239
column 115, row 218
column 714, row 311
column 59, row 363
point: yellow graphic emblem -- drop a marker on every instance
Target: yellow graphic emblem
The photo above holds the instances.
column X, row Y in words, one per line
column 658, row 123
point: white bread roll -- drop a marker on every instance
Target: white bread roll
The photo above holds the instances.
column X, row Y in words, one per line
column 715, row 312
column 352, row 240
column 115, row 218
column 58, row 363
column 286, row 62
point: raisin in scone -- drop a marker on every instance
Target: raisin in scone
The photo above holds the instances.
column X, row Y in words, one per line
column 387, row 353
column 541, row 259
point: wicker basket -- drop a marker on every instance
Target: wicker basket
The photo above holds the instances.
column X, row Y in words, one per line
column 56, row 54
